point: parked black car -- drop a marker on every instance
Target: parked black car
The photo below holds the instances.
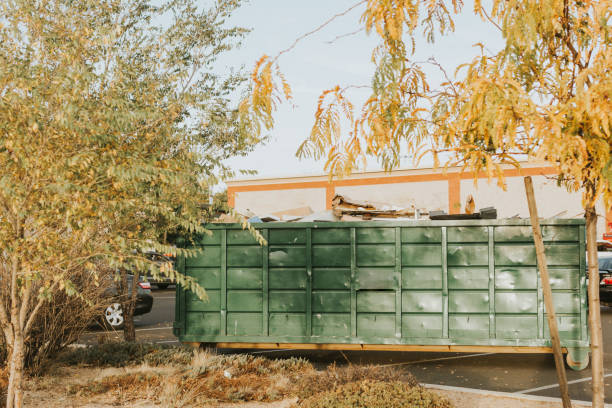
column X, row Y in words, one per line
column 605, row 278
column 162, row 282
column 113, row 314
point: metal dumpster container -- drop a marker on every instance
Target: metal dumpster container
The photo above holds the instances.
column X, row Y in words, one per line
column 469, row 286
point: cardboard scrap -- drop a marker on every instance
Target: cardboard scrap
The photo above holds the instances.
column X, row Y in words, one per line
column 322, row 216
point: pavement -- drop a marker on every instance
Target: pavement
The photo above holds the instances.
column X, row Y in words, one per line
column 526, row 374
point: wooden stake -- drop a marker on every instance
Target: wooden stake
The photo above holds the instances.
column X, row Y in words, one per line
column 548, row 301
column 597, row 368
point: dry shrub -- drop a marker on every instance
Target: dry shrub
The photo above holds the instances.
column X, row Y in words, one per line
column 125, row 387
column 209, row 378
column 62, row 319
column 243, row 377
column 202, row 377
column 375, row 394
column 242, row 364
column 319, row 381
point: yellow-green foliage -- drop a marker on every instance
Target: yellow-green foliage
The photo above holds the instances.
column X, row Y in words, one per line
column 111, row 128
column 546, row 95
column 111, row 124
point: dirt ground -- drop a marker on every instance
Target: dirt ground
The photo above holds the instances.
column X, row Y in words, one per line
column 132, row 375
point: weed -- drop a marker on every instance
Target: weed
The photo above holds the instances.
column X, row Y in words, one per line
column 125, row 386
column 314, row 382
column 375, row 394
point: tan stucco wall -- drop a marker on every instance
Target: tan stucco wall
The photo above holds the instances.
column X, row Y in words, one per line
column 266, row 202
column 551, row 199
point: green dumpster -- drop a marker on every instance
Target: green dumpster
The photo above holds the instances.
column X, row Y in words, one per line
column 395, row 285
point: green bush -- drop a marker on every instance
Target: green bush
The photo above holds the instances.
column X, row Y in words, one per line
column 122, row 354
column 176, row 356
column 375, row 394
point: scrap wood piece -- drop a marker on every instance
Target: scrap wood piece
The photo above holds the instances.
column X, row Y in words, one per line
column 343, row 205
column 348, row 203
column 470, row 205
column 379, row 213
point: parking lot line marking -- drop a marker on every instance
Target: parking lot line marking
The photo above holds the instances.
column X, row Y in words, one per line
column 438, row 359
column 167, row 341
column 164, row 297
column 154, row 328
column 478, row 391
column 546, row 387
column 121, row 330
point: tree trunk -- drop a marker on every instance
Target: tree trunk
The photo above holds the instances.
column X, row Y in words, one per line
column 547, row 292
column 597, row 370
column 129, row 331
column 14, row 395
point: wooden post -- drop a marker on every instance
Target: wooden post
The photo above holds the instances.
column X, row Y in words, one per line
column 547, row 291
column 597, row 368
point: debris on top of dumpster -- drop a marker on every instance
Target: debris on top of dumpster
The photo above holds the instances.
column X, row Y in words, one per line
column 354, row 210
column 321, row 216
column 487, row 213
column 350, row 210
column 268, row 218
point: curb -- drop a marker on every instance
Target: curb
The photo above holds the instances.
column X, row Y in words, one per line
column 518, row 397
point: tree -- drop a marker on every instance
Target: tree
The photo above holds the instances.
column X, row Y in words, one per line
column 547, row 95
column 112, row 122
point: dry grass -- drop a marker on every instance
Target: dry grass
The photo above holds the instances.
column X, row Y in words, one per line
column 320, row 381
column 209, row 378
column 178, row 377
column 375, row 394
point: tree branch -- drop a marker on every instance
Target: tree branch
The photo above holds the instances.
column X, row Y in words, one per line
column 490, row 19
column 297, row 40
column 345, row 35
column 39, row 304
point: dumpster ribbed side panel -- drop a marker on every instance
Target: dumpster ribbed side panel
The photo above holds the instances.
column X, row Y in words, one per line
column 421, row 282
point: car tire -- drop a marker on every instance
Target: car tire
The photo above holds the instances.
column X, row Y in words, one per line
column 113, row 316
column 162, row 285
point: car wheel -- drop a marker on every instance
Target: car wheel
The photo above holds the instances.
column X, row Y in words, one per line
column 113, row 316
column 162, row 285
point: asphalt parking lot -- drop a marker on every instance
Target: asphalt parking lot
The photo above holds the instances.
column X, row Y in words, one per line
column 532, row 374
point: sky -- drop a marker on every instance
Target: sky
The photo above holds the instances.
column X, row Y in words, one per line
column 315, row 64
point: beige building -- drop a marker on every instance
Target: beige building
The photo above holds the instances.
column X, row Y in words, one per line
column 433, row 189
